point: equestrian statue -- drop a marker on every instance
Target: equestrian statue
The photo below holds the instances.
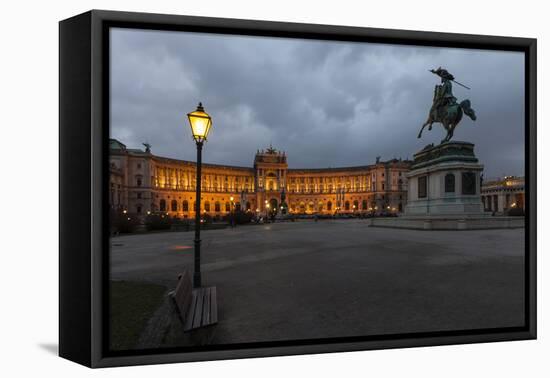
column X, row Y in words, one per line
column 445, row 108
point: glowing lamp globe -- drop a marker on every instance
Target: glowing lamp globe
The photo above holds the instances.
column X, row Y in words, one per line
column 200, row 123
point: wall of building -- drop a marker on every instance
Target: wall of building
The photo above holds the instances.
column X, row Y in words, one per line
column 148, row 183
column 501, row 194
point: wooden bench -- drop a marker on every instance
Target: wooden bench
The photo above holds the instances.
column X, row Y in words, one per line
column 197, row 307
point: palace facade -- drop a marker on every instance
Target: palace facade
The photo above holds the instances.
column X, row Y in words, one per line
column 141, row 182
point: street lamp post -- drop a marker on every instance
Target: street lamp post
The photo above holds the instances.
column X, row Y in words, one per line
column 200, row 123
column 232, row 212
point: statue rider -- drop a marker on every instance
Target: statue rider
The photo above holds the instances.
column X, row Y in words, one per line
column 443, row 93
column 445, row 108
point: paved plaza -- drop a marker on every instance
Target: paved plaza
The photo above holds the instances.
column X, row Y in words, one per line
column 330, row 278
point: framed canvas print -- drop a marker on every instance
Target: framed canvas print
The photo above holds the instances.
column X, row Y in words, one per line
column 233, row 188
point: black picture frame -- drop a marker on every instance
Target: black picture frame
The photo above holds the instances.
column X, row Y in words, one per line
column 83, row 156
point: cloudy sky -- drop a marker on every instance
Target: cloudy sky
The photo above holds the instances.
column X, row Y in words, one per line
column 327, row 104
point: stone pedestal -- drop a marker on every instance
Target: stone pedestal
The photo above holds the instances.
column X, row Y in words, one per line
column 445, row 181
column 444, row 193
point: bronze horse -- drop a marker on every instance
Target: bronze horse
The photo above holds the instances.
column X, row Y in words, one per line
column 449, row 116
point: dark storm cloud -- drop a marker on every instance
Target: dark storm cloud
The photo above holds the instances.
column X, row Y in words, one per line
column 324, row 103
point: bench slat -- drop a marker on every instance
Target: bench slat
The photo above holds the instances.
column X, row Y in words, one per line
column 213, row 306
column 206, row 307
column 183, row 295
column 189, row 316
column 198, row 309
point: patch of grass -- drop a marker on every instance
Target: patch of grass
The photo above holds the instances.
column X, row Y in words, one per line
column 132, row 305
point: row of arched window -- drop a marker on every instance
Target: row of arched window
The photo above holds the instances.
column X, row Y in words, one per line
column 347, row 206
column 207, row 206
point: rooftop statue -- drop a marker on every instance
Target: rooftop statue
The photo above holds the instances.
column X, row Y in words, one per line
column 271, row 150
column 445, row 109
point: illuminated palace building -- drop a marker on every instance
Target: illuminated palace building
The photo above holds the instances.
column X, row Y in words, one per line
column 502, row 194
column 141, row 182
